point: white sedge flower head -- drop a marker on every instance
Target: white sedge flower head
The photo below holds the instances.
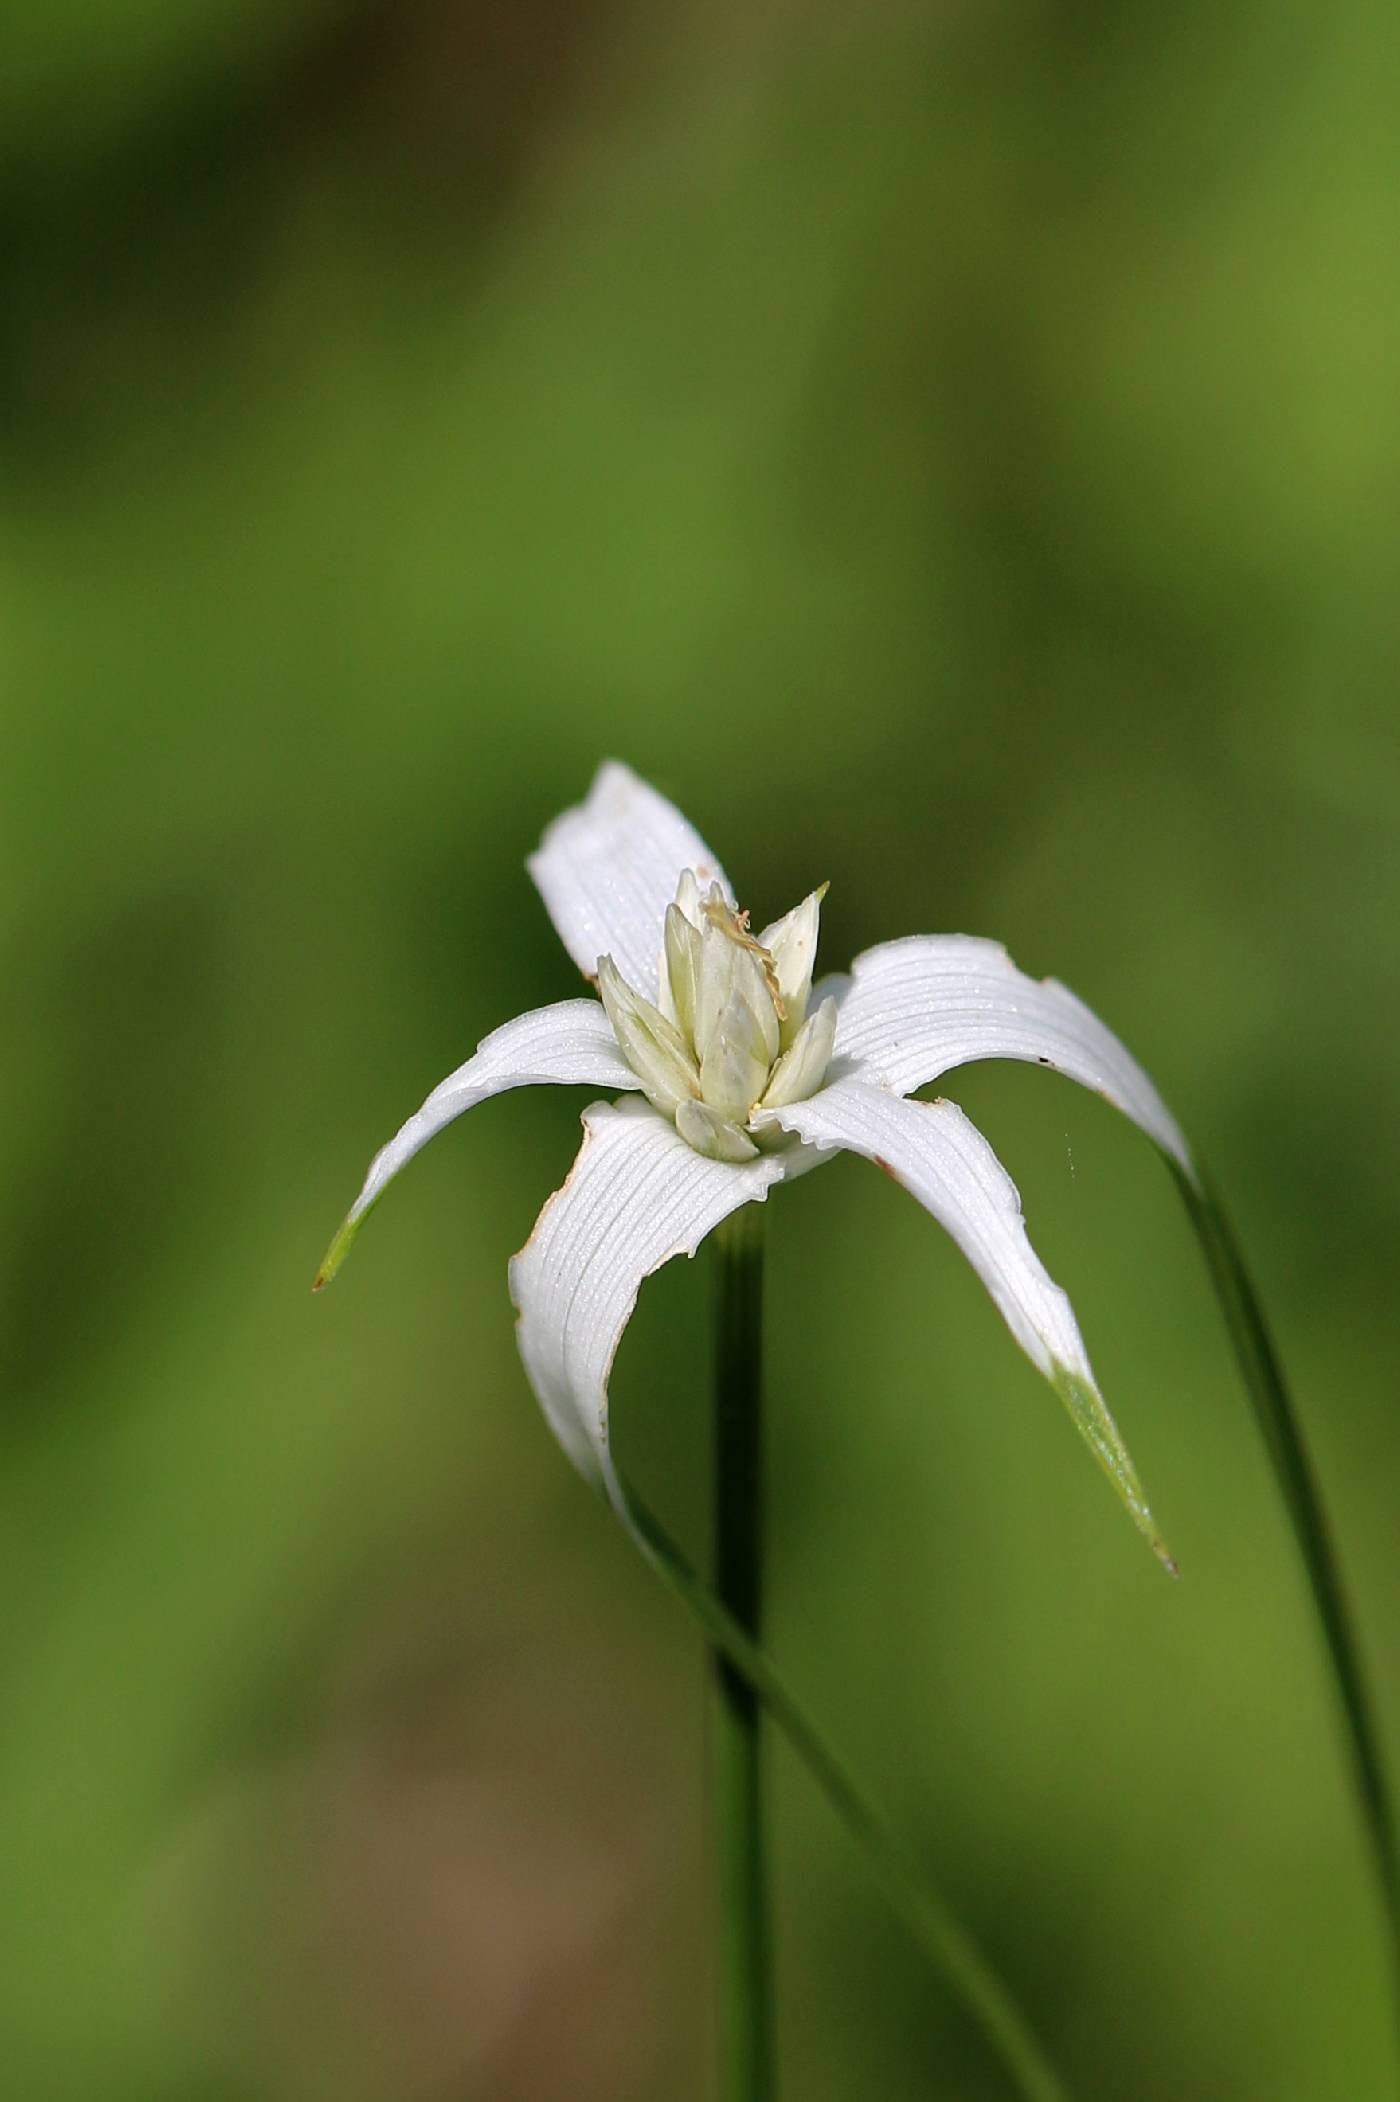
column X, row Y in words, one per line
column 729, row 1035
column 747, row 1077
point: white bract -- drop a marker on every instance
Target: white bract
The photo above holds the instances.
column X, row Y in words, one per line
column 747, row 1077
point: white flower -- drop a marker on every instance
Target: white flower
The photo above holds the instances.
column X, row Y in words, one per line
column 747, row 1076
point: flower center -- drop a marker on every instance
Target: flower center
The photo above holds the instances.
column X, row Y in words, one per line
column 730, row 1034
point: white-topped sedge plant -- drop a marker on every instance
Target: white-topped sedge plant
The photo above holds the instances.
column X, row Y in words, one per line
column 748, row 1076
column 738, row 1072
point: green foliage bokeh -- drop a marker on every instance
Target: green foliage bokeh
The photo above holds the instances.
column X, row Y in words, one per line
column 954, row 454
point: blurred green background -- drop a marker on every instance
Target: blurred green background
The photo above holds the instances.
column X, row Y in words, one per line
column 954, row 453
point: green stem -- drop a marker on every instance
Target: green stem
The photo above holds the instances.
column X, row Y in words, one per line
column 1287, row 1448
column 944, row 1940
column 745, row 1970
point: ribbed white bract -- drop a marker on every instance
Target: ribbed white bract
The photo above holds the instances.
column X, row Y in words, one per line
column 608, row 870
column 750, row 1077
column 636, row 1196
column 920, row 1006
column 567, row 1045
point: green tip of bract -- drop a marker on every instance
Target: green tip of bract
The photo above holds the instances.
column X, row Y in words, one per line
column 1100, row 1433
column 335, row 1255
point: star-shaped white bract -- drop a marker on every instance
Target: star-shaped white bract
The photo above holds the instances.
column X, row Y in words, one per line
column 740, row 1075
